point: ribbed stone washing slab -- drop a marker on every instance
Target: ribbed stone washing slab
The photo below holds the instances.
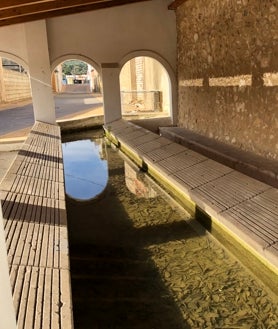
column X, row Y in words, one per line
column 268, row 199
column 126, row 131
column 245, row 206
column 254, row 222
column 263, row 215
column 33, row 186
column 181, row 161
column 146, row 138
column 36, row 230
column 202, row 173
column 47, row 306
column 133, row 135
column 154, row 144
column 35, row 221
column 116, row 126
column 230, row 190
column 164, row 152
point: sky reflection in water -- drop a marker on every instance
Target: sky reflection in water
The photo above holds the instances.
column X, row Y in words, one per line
column 86, row 173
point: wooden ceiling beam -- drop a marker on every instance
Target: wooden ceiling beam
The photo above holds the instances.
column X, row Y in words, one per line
column 175, row 4
column 45, row 6
column 52, row 8
column 15, row 3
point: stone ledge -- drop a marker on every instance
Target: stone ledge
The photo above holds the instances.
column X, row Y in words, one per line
column 262, row 169
column 252, row 237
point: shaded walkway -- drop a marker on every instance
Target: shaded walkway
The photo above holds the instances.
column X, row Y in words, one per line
column 17, row 121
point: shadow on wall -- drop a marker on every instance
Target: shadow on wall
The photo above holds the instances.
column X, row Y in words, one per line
column 228, row 76
column 239, row 110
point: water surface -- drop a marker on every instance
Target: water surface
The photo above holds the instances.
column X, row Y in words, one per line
column 138, row 260
column 85, row 168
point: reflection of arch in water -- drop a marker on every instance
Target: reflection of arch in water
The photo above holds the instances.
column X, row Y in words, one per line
column 142, row 189
column 86, row 168
column 158, row 75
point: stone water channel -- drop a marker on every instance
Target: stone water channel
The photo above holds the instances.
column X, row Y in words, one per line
column 138, row 260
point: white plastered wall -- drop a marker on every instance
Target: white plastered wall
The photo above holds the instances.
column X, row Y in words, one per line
column 111, row 35
column 107, row 35
column 104, row 36
column 40, row 72
column 13, row 44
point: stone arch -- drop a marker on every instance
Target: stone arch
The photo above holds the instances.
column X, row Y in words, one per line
column 66, row 57
column 80, row 57
column 15, row 58
column 169, row 70
column 16, row 85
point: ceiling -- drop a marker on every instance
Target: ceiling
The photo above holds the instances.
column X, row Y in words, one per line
column 20, row 11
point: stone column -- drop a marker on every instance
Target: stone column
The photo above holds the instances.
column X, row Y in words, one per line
column 111, row 92
column 7, row 313
column 40, row 72
column 60, row 78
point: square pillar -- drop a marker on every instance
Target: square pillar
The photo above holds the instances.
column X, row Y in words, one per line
column 40, row 71
column 111, row 92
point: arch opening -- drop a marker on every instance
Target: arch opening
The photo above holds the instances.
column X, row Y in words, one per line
column 17, row 116
column 145, row 88
column 77, row 88
column 75, row 76
column 14, row 80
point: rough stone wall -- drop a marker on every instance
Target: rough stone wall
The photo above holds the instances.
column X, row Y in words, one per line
column 228, row 72
column 16, row 86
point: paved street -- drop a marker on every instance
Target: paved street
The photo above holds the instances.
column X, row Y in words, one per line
column 66, row 105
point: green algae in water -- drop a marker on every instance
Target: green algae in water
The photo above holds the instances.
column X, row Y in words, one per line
column 210, row 287
column 148, row 264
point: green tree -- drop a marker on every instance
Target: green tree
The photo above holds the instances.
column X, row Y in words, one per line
column 73, row 67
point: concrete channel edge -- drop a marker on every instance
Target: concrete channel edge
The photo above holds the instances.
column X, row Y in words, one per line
column 250, row 256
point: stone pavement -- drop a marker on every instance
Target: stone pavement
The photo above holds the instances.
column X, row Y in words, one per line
column 12, row 105
column 19, row 116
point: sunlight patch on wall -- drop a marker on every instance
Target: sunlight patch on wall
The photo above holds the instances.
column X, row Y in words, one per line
column 191, row 83
column 270, row 79
column 239, row 80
